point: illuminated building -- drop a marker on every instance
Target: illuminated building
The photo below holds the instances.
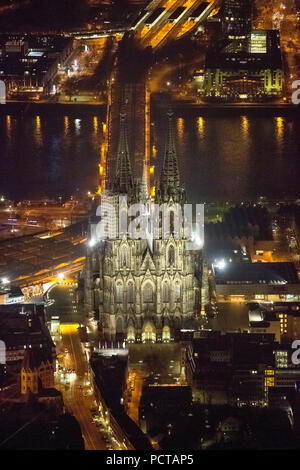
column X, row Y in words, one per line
column 238, row 368
column 237, row 18
column 143, row 290
column 281, row 359
column 37, row 371
column 229, row 368
column 258, row 42
column 285, row 315
column 23, row 327
column 247, row 75
column 29, row 64
column 256, row 281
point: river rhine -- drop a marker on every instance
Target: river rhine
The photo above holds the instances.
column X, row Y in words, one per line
column 234, row 156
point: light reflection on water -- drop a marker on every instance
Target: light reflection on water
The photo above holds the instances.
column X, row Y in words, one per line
column 48, row 155
column 245, row 125
column 95, row 121
column 66, row 121
column 237, row 157
column 180, row 127
column 200, row 122
column 221, row 158
column 8, row 122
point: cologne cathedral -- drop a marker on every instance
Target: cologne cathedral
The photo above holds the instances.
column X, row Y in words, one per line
column 144, row 289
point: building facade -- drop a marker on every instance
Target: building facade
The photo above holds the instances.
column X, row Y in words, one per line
column 237, row 18
column 37, row 371
column 29, row 65
column 253, row 282
column 249, row 73
column 144, row 289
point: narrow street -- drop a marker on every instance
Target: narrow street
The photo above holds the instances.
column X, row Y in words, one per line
column 77, row 392
column 72, row 378
column 136, row 388
column 286, row 249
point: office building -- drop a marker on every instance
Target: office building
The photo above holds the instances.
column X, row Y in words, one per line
column 251, row 73
column 29, row 65
column 237, row 18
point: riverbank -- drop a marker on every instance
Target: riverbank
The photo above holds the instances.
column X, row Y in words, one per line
column 180, row 108
column 221, row 109
column 34, row 108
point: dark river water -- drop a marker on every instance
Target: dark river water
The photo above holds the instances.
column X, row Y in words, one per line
column 233, row 156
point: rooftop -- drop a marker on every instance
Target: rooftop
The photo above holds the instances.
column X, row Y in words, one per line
column 232, row 60
column 34, row 358
column 23, row 324
column 257, row 273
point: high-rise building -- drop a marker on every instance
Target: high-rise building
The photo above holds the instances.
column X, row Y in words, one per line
column 237, row 18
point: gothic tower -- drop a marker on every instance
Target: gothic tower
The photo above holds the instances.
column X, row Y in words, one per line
column 170, row 181
column 124, row 179
column 145, row 288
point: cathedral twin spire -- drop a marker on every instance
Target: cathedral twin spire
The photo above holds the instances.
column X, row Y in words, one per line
column 170, row 180
column 169, row 185
column 144, row 190
column 124, row 172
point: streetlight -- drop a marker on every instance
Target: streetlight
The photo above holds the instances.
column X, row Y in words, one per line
column 221, row 264
column 92, row 242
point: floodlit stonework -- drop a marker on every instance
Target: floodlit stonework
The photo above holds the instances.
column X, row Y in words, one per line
column 144, row 289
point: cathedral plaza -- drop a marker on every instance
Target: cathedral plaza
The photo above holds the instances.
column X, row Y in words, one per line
column 150, row 364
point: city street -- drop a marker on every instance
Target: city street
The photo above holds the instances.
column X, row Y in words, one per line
column 135, row 388
column 73, row 379
column 77, row 392
column 286, row 248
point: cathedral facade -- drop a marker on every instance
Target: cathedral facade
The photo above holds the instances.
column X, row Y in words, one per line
column 144, row 289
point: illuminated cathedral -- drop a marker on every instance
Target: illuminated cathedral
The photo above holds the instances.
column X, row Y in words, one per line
column 144, row 289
